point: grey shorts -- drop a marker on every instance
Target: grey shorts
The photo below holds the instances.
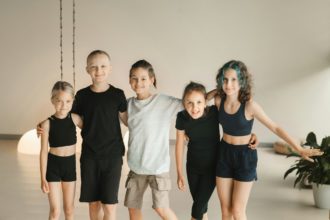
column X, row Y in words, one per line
column 136, row 185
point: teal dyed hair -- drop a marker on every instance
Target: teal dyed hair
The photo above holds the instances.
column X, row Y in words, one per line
column 233, row 64
column 243, row 76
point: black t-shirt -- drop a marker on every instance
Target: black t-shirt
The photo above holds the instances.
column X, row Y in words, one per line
column 204, row 138
column 101, row 132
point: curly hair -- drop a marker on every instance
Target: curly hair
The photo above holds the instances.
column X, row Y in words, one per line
column 244, row 78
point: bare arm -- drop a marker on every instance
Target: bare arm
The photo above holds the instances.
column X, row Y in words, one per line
column 179, row 147
column 43, row 156
column 211, row 94
column 78, row 121
column 259, row 114
column 123, row 117
column 217, row 101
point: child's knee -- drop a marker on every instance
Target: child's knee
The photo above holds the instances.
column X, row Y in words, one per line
column 68, row 210
column 226, row 211
column 161, row 212
column 238, row 212
column 164, row 213
column 55, row 213
column 109, row 209
column 94, row 206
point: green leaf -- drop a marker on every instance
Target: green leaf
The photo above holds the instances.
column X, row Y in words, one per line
column 289, row 171
column 325, row 143
column 298, row 180
column 311, row 140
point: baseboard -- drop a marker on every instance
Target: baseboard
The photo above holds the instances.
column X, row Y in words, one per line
column 266, row 144
column 10, row 136
column 261, row 144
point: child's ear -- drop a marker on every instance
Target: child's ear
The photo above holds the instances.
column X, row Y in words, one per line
column 87, row 69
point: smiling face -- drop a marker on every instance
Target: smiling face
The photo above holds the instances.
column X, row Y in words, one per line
column 141, row 81
column 230, row 83
column 99, row 68
column 195, row 104
column 62, row 102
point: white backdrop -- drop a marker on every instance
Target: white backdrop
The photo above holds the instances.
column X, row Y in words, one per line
column 286, row 45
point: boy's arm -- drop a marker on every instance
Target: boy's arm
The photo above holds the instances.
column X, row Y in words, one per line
column 123, row 117
column 78, row 121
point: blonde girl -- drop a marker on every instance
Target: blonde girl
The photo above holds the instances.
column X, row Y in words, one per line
column 57, row 154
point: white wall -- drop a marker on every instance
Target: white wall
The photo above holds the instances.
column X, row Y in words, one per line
column 286, row 45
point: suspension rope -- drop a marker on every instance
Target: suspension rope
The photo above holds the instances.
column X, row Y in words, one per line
column 61, row 40
column 74, row 43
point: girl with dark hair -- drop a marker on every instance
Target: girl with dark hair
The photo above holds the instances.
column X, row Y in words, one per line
column 236, row 164
column 149, row 120
column 200, row 125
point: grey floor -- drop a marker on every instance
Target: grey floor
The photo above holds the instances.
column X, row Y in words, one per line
column 272, row 198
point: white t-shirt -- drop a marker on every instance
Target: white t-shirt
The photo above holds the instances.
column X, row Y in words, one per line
column 149, row 124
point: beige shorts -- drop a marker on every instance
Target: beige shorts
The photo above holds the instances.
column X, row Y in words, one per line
column 137, row 184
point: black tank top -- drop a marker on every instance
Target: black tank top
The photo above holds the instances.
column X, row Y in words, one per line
column 62, row 132
column 235, row 124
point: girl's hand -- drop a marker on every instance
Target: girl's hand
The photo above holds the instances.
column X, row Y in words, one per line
column 254, row 142
column 181, row 184
column 307, row 153
column 44, row 186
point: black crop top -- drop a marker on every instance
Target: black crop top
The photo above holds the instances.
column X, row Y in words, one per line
column 235, row 124
column 62, row 132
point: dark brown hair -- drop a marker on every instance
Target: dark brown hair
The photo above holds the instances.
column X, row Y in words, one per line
column 197, row 87
column 193, row 86
column 145, row 65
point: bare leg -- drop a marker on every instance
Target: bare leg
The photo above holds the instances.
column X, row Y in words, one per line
column 240, row 199
column 95, row 212
column 166, row 213
column 109, row 211
column 54, row 197
column 69, row 189
column 225, row 190
column 135, row 214
column 205, row 217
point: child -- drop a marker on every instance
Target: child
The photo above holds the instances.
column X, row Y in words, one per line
column 200, row 124
column 236, row 166
column 58, row 169
column 149, row 120
column 100, row 106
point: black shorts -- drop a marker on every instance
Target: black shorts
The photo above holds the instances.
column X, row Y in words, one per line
column 100, row 180
column 61, row 168
column 238, row 162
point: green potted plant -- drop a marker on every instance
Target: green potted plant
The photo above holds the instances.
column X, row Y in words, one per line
column 317, row 172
